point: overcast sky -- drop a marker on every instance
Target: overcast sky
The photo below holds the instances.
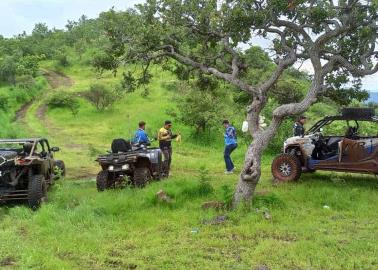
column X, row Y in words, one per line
column 17, row 16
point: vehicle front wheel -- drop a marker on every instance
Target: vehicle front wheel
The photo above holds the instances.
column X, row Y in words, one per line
column 142, row 176
column 286, row 167
column 102, row 180
column 37, row 191
column 61, row 167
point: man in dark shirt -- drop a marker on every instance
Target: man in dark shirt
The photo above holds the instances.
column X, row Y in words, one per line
column 165, row 137
column 298, row 129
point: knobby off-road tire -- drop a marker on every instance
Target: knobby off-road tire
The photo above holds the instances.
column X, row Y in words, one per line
column 102, row 180
column 142, row 176
column 37, row 191
column 286, row 167
column 62, row 167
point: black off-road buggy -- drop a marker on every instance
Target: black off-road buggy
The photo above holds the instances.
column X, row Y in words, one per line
column 128, row 163
column 27, row 170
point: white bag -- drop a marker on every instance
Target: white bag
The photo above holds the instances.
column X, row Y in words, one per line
column 245, row 126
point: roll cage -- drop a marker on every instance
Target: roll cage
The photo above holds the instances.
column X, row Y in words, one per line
column 346, row 115
column 34, row 141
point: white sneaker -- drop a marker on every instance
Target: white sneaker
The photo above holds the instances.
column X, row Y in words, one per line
column 229, row 172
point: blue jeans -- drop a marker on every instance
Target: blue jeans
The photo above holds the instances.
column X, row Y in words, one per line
column 227, row 156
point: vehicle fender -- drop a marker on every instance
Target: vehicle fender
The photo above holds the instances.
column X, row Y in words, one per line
column 143, row 161
column 302, row 156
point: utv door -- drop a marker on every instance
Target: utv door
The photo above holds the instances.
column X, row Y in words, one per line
column 353, row 156
column 352, row 151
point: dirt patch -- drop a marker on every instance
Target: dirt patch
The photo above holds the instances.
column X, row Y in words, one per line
column 21, row 113
column 41, row 112
column 57, row 79
column 7, row 261
column 75, row 146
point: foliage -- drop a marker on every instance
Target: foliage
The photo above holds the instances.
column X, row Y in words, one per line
column 198, row 107
column 101, row 96
column 25, row 82
column 62, row 59
column 205, row 187
column 8, row 69
column 3, row 102
column 64, row 100
column 103, row 61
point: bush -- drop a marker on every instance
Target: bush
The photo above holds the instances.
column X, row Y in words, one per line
column 197, row 108
column 104, row 61
column 62, row 60
column 3, row 102
column 25, row 82
column 8, row 69
column 29, row 65
column 64, row 100
column 101, row 96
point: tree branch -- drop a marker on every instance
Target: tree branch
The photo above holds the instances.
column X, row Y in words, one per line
column 229, row 77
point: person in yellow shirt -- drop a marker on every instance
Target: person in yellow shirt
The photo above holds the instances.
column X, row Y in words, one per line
column 165, row 137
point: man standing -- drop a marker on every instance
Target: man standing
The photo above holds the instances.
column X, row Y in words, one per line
column 298, row 128
column 230, row 141
column 141, row 135
column 165, row 137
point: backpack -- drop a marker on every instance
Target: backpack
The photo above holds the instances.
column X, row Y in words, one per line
column 120, row 145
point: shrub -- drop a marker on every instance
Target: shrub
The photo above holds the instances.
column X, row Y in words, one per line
column 25, row 82
column 3, row 102
column 104, row 61
column 8, row 69
column 101, row 96
column 197, row 108
column 64, row 100
column 62, row 60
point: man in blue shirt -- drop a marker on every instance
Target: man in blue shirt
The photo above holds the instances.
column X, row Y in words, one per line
column 141, row 135
column 230, row 141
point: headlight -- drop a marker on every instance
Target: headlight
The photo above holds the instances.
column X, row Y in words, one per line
column 125, row 167
column 111, row 168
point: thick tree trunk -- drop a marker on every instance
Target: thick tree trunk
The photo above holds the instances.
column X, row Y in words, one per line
column 249, row 176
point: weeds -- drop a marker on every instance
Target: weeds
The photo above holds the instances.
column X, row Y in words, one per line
column 268, row 201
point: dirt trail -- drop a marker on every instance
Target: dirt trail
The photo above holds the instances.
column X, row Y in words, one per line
column 57, row 79
column 21, row 113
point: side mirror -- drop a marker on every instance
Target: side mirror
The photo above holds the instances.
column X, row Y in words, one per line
column 55, row 149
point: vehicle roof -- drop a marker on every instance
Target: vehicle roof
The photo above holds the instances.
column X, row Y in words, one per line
column 329, row 119
column 350, row 118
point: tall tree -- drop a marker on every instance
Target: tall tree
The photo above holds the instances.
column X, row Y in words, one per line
column 337, row 38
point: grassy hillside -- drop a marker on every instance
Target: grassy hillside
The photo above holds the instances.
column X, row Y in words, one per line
column 325, row 221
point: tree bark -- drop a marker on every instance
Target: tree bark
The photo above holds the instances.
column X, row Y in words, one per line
column 249, row 176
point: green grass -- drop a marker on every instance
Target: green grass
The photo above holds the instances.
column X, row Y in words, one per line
column 325, row 221
column 82, row 229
